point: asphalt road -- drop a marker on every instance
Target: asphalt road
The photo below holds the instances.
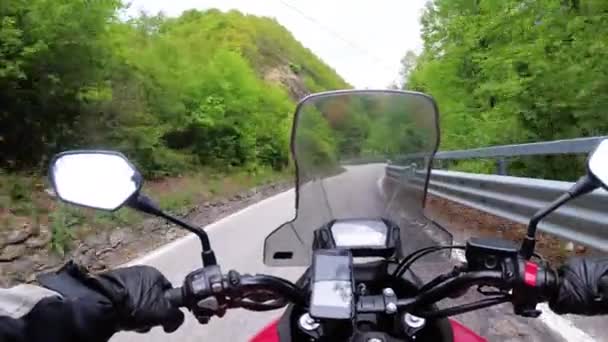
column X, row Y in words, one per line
column 238, row 243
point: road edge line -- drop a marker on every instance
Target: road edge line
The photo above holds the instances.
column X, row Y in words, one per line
column 158, row 252
column 563, row 327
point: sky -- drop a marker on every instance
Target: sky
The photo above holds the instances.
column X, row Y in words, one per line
column 363, row 40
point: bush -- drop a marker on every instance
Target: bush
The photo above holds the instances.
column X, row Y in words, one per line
column 62, row 221
column 19, row 190
column 295, row 68
column 173, row 94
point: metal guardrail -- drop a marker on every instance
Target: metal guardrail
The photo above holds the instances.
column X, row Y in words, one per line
column 502, row 153
column 584, row 220
column 571, row 146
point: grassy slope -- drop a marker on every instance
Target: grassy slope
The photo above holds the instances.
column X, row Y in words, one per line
column 24, row 201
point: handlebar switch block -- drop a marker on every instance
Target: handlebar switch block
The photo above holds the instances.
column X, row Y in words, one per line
column 204, row 282
column 489, row 253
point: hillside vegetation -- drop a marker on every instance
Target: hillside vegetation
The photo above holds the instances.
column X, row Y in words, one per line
column 512, row 71
column 206, row 89
column 202, row 103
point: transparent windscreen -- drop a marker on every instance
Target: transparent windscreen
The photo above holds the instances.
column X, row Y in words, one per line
column 359, row 154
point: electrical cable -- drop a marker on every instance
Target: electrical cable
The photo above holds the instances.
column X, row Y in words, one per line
column 335, row 34
column 409, row 260
column 412, row 255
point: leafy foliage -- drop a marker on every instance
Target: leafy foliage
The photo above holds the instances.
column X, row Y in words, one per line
column 172, row 93
column 62, row 222
column 515, row 71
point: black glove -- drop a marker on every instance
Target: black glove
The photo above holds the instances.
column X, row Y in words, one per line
column 136, row 295
column 581, row 290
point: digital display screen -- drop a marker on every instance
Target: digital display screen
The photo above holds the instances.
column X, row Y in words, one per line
column 332, row 286
column 359, row 233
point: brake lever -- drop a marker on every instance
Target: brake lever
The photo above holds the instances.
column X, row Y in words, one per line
column 497, row 292
column 460, row 309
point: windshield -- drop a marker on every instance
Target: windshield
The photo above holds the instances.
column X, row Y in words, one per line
column 359, row 154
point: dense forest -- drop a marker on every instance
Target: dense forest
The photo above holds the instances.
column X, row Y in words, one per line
column 205, row 89
column 512, row 71
column 217, row 89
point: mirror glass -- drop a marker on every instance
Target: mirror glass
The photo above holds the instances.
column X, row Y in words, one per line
column 598, row 163
column 101, row 180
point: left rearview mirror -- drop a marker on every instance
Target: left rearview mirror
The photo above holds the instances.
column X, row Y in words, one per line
column 598, row 163
column 96, row 179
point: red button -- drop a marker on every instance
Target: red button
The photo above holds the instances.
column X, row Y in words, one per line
column 530, row 272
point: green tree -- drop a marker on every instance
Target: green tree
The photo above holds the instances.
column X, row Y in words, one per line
column 515, row 71
column 172, row 93
column 51, row 54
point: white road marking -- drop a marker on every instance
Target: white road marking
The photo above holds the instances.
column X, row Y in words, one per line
column 562, row 326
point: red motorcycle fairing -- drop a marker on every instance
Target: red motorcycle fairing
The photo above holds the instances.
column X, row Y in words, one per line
column 269, row 334
column 461, row 333
column 464, row 334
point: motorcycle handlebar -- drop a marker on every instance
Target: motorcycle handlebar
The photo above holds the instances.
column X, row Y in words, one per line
column 247, row 283
column 175, row 296
column 545, row 284
column 452, row 285
column 278, row 285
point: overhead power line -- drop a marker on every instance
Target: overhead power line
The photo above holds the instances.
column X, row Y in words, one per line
column 336, row 34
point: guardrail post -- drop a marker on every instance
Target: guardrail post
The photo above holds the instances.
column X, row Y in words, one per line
column 438, row 164
column 502, row 166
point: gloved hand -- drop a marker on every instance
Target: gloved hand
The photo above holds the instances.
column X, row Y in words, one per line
column 132, row 298
column 137, row 294
column 581, row 291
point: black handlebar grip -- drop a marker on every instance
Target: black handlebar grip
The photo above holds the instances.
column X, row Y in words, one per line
column 603, row 287
column 175, row 296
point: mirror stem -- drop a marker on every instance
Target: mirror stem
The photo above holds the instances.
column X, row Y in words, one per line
column 583, row 186
column 529, row 243
column 144, row 204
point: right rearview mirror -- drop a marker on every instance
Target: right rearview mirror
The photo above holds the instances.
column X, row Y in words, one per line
column 598, row 163
column 597, row 175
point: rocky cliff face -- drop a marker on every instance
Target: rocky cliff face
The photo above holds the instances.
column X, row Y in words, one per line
column 286, row 77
